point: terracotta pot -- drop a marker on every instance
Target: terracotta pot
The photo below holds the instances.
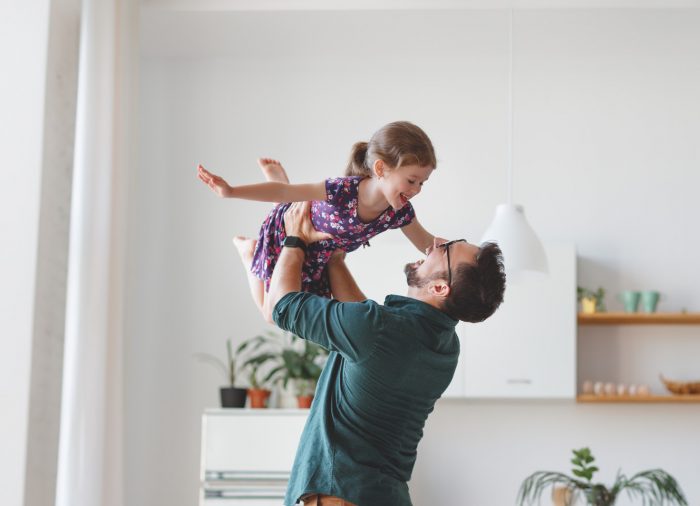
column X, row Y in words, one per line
column 258, row 398
column 304, row 401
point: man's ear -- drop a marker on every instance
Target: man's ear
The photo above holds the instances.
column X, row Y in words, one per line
column 378, row 168
column 439, row 289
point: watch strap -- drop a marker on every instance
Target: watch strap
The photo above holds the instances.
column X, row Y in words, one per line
column 292, row 241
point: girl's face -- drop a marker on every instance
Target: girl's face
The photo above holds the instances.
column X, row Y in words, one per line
column 403, row 183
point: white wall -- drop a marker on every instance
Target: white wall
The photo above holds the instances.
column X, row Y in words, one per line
column 606, row 127
column 21, row 129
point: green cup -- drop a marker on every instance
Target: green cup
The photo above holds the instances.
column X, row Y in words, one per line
column 650, row 299
column 630, row 299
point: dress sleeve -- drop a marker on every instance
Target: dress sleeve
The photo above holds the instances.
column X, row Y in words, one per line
column 403, row 216
column 350, row 328
column 338, row 189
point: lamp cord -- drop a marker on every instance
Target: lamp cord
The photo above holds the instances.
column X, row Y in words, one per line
column 510, row 107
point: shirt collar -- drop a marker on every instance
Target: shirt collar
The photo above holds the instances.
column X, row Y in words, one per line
column 422, row 308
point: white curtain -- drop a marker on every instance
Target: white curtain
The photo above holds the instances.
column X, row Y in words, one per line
column 91, row 438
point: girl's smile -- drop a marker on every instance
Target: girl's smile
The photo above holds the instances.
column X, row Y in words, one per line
column 403, row 183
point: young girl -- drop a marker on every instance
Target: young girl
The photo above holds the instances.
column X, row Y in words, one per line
column 381, row 177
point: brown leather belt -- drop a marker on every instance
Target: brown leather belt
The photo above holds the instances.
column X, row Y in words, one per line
column 325, row 500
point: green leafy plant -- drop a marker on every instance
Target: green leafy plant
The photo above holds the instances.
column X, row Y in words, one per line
column 598, row 295
column 231, row 367
column 653, row 487
column 293, row 358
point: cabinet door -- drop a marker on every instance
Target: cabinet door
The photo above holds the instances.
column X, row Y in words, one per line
column 528, row 347
column 250, row 442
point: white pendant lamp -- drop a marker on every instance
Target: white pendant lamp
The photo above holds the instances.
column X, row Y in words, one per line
column 522, row 249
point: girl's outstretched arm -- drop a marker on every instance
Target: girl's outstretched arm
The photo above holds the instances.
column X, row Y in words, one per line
column 265, row 192
column 419, row 236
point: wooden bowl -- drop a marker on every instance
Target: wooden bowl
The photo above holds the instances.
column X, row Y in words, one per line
column 681, row 388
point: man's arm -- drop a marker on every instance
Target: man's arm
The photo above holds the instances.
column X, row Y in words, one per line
column 286, row 276
column 349, row 328
column 343, row 284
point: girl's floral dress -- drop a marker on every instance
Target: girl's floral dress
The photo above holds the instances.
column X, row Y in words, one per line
column 336, row 215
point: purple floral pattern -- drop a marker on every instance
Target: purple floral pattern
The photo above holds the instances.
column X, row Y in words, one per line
column 336, row 215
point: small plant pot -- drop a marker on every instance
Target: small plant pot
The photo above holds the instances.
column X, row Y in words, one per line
column 232, row 397
column 588, row 305
column 304, row 401
column 258, row 397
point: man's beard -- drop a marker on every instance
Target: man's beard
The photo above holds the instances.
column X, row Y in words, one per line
column 412, row 277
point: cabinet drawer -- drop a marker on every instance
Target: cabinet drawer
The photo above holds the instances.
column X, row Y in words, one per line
column 246, row 442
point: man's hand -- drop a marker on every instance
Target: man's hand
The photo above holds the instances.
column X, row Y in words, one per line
column 297, row 222
column 216, row 183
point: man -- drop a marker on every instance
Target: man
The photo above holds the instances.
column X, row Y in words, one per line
column 387, row 367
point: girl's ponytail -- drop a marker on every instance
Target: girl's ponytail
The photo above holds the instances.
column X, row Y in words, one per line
column 396, row 144
column 356, row 164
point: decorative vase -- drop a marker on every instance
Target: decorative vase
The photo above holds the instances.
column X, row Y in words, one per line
column 630, row 299
column 649, row 301
column 232, row 397
column 258, row 397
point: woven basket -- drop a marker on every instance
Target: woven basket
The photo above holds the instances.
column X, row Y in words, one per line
column 681, row 388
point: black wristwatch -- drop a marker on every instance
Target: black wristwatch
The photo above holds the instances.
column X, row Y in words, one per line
column 292, row 241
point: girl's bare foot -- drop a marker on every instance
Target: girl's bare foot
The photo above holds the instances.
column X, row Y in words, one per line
column 273, row 170
column 245, row 247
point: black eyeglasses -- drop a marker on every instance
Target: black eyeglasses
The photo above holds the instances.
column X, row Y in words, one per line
column 447, row 245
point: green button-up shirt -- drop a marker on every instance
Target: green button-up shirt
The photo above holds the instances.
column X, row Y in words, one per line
column 387, row 367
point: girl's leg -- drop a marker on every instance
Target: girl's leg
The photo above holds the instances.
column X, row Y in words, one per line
column 273, row 170
column 246, row 247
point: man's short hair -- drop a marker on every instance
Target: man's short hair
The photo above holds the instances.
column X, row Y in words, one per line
column 477, row 289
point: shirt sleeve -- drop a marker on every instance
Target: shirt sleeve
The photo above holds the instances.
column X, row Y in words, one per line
column 403, row 216
column 350, row 328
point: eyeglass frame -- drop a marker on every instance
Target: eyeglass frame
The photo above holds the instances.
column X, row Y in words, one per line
column 447, row 245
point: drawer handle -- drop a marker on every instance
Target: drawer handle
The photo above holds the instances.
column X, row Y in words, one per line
column 519, row 381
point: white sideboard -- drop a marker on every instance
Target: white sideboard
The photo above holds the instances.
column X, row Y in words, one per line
column 247, row 455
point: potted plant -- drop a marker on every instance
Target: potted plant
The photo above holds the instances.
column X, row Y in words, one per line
column 297, row 361
column 258, row 391
column 654, row 486
column 301, row 366
column 231, row 396
column 591, row 301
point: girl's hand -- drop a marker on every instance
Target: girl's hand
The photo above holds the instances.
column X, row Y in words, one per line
column 216, row 183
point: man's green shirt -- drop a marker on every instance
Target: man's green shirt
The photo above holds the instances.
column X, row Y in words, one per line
column 387, row 367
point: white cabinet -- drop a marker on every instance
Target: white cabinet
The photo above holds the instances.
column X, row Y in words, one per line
column 527, row 349
column 247, row 455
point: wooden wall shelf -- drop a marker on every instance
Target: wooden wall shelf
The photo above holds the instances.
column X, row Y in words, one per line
column 639, row 319
column 638, row 399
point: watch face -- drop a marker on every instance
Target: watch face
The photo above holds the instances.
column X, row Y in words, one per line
column 293, row 242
